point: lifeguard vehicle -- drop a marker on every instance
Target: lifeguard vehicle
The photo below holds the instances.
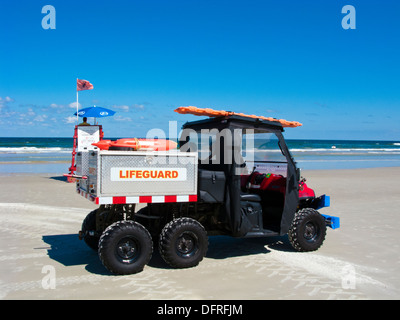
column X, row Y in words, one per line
column 232, row 174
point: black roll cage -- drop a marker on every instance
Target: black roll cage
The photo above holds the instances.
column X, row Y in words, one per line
column 233, row 189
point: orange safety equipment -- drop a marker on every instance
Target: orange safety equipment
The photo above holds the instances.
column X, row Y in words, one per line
column 137, row 144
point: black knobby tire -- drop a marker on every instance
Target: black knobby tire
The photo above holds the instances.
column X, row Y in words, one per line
column 183, row 243
column 89, row 231
column 308, row 230
column 125, row 247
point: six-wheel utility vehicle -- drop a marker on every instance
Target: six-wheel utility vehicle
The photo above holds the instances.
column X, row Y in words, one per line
column 231, row 175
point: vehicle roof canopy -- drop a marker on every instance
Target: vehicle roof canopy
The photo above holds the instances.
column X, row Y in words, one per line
column 236, row 121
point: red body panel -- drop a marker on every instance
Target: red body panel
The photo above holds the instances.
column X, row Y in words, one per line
column 273, row 182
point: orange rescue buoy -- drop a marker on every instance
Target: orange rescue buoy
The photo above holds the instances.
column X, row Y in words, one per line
column 137, row 144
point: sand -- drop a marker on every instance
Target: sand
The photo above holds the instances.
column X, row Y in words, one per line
column 41, row 256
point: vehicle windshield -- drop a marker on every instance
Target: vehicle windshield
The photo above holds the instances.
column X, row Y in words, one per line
column 261, row 152
column 251, row 149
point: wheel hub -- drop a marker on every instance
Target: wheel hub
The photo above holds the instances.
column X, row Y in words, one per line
column 186, row 245
column 127, row 249
column 310, row 232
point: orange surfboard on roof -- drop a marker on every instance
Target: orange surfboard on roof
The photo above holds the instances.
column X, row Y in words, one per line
column 221, row 113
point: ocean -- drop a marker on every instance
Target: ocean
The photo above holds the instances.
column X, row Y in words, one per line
column 53, row 155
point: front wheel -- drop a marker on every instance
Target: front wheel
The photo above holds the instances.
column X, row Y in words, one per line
column 183, row 243
column 125, row 247
column 308, row 230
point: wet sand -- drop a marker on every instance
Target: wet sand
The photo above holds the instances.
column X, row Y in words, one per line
column 41, row 214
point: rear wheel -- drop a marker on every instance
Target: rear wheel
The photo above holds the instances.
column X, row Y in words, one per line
column 308, row 230
column 89, row 231
column 125, row 247
column 183, row 243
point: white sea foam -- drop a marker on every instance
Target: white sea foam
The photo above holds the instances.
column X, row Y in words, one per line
column 33, row 150
column 346, row 150
column 337, row 151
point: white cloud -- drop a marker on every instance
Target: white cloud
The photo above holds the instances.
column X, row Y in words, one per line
column 73, row 105
column 139, row 106
column 30, row 112
column 126, row 108
column 5, row 101
column 123, row 108
column 40, row 118
column 70, row 120
column 57, row 106
column 119, row 118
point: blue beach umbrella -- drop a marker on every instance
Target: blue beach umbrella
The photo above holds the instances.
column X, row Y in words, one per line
column 95, row 112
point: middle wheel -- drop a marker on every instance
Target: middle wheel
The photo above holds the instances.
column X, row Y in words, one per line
column 183, row 243
column 125, row 247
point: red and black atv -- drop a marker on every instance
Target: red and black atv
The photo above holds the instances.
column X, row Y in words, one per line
column 248, row 185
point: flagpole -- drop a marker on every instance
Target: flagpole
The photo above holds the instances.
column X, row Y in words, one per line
column 77, row 117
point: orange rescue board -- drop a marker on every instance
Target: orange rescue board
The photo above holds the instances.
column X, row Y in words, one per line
column 138, row 144
column 221, row 113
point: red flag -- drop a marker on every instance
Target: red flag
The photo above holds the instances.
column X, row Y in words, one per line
column 83, row 85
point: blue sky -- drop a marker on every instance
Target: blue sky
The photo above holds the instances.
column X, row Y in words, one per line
column 286, row 59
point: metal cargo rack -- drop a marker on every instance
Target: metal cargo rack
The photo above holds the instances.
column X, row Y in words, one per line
column 119, row 177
